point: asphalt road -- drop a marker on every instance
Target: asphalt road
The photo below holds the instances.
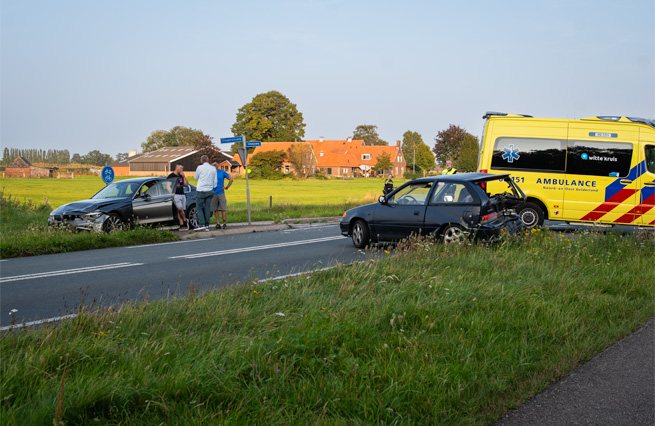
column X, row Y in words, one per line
column 50, row 286
column 615, row 388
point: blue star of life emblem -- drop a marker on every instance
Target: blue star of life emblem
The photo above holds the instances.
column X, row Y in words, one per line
column 511, row 153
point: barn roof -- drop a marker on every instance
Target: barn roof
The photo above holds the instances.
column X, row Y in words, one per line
column 165, row 155
column 20, row 162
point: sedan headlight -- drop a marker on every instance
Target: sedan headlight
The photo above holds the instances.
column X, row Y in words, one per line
column 91, row 217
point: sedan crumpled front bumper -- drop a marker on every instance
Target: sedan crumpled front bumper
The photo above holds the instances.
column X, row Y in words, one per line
column 81, row 222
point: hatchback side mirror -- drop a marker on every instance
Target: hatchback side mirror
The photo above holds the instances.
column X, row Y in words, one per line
column 382, row 200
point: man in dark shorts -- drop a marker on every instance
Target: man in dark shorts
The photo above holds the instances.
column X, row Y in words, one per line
column 178, row 182
column 219, row 202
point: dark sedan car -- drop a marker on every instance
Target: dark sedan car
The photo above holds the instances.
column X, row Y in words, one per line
column 126, row 202
column 449, row 207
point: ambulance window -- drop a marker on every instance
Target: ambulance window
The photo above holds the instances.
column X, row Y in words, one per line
column 529, row 154
column 649, row 150
column 599, row 158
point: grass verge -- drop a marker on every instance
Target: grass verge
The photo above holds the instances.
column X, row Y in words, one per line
column 433, row 335
column 24, row 232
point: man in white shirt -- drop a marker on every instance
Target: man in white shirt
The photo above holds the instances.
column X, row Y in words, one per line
column 206, row 177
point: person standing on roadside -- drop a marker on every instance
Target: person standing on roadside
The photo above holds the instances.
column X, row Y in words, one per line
column 388, row 185
column 449, row 170
column 206, row 177
column 219, row 202
column 179, row 182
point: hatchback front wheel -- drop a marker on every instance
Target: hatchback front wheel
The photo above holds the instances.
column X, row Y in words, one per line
column 360, row 235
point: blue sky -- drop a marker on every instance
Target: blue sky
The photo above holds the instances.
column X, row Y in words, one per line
column 103, row 74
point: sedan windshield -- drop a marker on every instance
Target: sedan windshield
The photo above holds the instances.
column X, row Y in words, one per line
column 117, row 190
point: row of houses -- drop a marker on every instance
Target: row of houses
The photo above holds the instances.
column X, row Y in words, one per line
column 340, row 158
column 334, row 158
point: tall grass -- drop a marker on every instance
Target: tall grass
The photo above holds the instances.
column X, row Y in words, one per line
column 24, row 232
column 433, row 335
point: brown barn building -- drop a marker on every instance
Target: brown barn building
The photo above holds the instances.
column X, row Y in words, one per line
column 122, row 168
column 21, row 168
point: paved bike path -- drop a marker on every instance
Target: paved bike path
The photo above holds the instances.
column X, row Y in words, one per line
column 617, row 387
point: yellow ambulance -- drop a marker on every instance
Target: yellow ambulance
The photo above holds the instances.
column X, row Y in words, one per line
column 594, row 170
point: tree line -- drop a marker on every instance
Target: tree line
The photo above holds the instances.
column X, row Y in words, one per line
column 272, row 117
column 50, row 156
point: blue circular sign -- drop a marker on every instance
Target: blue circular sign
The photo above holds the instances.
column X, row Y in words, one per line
column 107, row 174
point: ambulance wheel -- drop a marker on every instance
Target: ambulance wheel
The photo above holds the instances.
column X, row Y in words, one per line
column 531, row 215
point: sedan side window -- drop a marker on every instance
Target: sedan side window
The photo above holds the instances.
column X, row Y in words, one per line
column 451, row 193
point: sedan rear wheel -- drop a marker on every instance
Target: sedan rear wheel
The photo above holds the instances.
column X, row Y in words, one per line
column 113, row 223
column 453, row 234
column 360, row 234
column 192, row 217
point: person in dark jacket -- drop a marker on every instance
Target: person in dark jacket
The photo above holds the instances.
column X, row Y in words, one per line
column 388, row 185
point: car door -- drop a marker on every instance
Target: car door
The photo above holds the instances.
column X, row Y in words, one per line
column 452, row 202
column 403, row 212
column 154, row 202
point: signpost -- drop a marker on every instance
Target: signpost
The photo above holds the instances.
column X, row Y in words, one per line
column 243, row 153
column 107, row 175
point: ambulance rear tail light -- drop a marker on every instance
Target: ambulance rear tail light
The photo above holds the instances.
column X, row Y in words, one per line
column 483, row 185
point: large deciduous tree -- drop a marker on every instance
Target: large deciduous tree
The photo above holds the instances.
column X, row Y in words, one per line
column 267, row 164
column 411, row 141
column 205, row 146
column 448, row 142
column 369, row 134
column 269, row 117
column 301, row 156
column 383, row 163
column 424, row 157
column 177, row 136
column 97, row 158
column 467, row 157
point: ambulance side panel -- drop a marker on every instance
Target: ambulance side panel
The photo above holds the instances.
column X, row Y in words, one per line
column 646, row 207
column 601, row 183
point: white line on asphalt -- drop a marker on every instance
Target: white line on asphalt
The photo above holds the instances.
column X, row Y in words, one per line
column 68, row 271
column 247, row 249
column 296, row 274
column 31, row 323
column 286, row 231
column 172, row 242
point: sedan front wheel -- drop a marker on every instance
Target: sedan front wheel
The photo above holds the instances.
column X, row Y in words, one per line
column 113, row 223
column 360, row 235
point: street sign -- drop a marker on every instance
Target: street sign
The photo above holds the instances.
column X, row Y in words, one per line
column 107, row 175
column 243, row 153
column 236, row 139
column 252, row 144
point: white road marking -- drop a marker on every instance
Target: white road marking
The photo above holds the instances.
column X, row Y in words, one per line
column 68, row 271
column 286, row 231
column 255, row 248
column 296, row 274
column 43, row 321
column 172, row 242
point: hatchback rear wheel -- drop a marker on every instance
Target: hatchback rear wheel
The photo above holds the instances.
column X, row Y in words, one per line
column 453, row 234
column 360, row 235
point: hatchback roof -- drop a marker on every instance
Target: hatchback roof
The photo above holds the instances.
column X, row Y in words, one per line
column 463, row 177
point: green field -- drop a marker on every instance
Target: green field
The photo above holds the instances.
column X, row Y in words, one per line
column 284, row 192
column 453, row 335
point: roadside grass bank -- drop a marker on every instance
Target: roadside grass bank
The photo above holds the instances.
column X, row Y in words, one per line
column 433, row 335
column 24, row 232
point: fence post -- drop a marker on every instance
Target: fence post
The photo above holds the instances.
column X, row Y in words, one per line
column 270, row 202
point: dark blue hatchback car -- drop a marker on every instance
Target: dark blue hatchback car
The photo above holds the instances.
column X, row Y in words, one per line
column 451, row 208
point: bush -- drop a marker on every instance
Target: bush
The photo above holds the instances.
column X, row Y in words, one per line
column 409, row 174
